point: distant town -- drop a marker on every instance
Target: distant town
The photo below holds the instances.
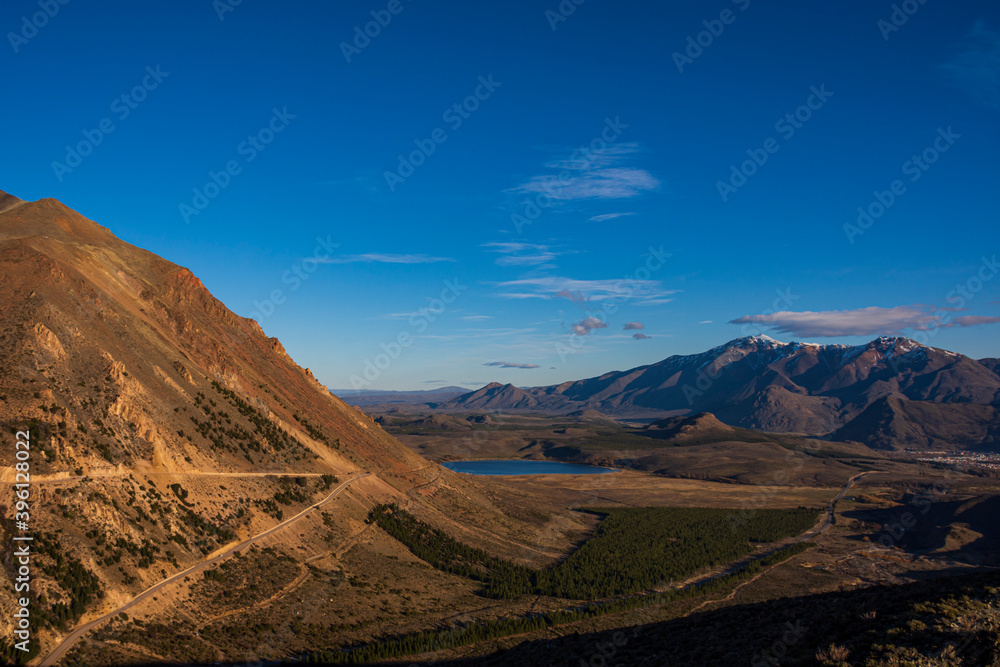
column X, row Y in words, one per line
column 960, row 459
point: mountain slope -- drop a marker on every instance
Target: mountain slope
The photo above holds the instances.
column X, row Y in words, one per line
column 80, row 303
column 496, row 396
column 8, row 201
column 164, row 427
column 895, row 423
column 760, row 383
column 694, row 427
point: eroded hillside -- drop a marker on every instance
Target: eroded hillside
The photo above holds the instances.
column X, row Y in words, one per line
column 165, row 429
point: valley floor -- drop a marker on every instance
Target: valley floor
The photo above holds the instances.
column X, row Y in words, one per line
column 342, row 589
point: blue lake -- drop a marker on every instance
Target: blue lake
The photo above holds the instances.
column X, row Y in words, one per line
column 522, row 467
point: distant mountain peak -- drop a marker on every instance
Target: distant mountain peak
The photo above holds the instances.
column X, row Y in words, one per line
column 495, row 396
column 891, row 346
column 893, row 340
column 756, row 340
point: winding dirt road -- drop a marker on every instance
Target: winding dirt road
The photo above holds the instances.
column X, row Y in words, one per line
column 831, row 510
column 820, row 527
column 74, row 636
column 79, row 632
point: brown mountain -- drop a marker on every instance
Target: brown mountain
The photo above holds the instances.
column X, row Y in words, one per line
column 145, row 336
column 591, row 416
column 164, row 429
column 764, row 384
column 494, row 397
column 896, row 423
column 688, row 428
column 991, row 363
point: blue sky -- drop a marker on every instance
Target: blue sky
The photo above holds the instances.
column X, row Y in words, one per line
column 517, row 193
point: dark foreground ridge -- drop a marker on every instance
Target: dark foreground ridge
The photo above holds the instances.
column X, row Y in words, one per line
column 951, row 620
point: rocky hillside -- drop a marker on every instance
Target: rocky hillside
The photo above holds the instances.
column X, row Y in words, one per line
column 129, row 350
column 164, row 427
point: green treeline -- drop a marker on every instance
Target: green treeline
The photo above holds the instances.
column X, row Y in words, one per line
column 633, row 549
column 436, row 640
column 440, row 549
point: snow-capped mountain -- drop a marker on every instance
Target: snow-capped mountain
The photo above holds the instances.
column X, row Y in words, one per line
column 758, row 382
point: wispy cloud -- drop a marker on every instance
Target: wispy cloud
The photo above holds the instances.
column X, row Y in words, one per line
column 523, row 254
column 588, row 324
column 972, row 321
column 603, row 175
column 641, row 336
column 975, row 68
column 385, row 258
column 510, row 364
column 607, row 216
column 634, row 326
column 477, row 335
column 872, row 321
column 705, row 322
column 646, row 292
column 476, row 317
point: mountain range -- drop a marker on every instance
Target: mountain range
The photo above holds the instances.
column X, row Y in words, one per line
column 385, row 399
column 759, row 383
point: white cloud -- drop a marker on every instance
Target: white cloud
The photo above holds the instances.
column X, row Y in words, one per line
column 633, row 326
column 972, row 321
column 522, row 254
column 594, row 175
column 607, row 216
column 588, row 324
column 510, row 364
column 547, row 287
column 872, row 321
column 575, row 297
